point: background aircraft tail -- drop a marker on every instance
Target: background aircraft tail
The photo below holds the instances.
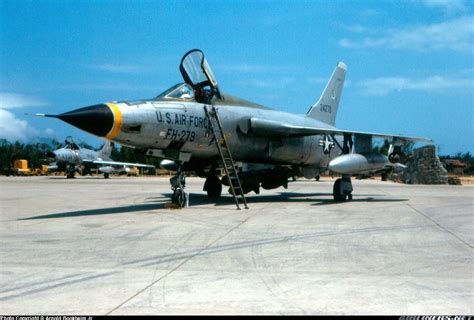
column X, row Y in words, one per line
column 106, row 149
column 325, row 109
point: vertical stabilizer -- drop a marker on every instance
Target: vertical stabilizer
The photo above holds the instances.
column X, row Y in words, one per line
column 106, row 149
column 325, row 109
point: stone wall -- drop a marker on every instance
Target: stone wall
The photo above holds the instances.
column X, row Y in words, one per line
column 423, row 167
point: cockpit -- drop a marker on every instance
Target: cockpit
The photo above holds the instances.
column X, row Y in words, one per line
column 70, row 144
column 180, row 91
column 199, row 82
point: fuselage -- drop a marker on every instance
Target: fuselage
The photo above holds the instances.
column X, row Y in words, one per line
column 182, row 125
column 74, row 156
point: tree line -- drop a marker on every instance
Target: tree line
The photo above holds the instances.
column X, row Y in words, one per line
column 35, row 153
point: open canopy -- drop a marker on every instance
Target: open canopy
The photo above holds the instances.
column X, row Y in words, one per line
column 197, row 73
column 70, row 144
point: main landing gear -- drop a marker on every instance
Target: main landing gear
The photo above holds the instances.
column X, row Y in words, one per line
column 342, row 189
column 178, row 183
column 213, row 186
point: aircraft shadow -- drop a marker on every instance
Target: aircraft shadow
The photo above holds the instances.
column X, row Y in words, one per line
column 79, row 178
column 331, row 201
column 102, row 211
column 201, row 199
column 157, row 203
column 290, row 197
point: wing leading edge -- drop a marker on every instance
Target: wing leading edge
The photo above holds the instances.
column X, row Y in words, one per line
column 115, row 163
column 274, row 129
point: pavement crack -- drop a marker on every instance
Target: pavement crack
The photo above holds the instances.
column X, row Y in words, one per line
column 179, row 265
column 440, row 226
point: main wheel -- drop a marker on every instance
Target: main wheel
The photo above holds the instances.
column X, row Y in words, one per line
column 213, row 187
column 179, row 197
column 337, row 191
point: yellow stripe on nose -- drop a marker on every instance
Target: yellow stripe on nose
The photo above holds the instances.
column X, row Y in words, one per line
column 117, row 121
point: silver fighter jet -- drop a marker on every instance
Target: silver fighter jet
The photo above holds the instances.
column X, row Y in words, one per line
column 194, row 126
column 71, row 159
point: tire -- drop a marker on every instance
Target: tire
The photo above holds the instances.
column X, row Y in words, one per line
column 179, row 197
column 213, row 187
column 337, row 191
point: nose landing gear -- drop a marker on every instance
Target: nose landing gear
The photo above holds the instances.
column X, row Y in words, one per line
column 70, row 171
column 178, row 183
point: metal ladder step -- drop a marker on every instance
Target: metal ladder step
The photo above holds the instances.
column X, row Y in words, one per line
column 215, row 127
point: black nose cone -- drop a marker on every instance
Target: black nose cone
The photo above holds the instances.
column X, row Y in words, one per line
column 50, row 155
column 97, row 119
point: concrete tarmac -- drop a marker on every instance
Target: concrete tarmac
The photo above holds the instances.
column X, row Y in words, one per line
column 112, row 246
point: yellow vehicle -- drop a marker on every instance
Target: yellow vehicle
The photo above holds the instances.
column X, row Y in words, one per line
column 20, row 168
column 44, row 170
column 133, row 171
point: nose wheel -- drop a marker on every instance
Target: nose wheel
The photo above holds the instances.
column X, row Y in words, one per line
column 178, row 183
column 70, row 171
column 179, row 197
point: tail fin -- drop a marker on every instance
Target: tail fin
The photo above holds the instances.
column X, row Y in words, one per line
column 325, row 109
column 107, row 149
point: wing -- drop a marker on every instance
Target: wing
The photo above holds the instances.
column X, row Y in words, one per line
column 274, row 129
column 116, row 163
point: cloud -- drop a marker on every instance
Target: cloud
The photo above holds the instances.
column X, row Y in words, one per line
column 122, row 87
column 385, row 85
column 456, row 34
column 118, row 68
column 316, row 80
column 14, row 129
column 13, row 100
column 450, row 6
column 253, row 68
column 277, row 83
column 355, row 28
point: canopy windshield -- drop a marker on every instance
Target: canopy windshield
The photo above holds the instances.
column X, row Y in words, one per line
column 180, row 91
column 197, row 72
column 70, row 144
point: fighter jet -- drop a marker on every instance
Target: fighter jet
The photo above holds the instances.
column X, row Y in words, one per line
column 196, row 127
column 71, row 159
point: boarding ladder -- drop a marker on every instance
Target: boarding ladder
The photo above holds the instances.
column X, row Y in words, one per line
column 215, row 126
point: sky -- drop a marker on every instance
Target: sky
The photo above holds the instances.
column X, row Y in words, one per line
column 410, row 63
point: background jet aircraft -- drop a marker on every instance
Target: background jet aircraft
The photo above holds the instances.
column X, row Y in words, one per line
column 71, row 157
column 196, row 127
